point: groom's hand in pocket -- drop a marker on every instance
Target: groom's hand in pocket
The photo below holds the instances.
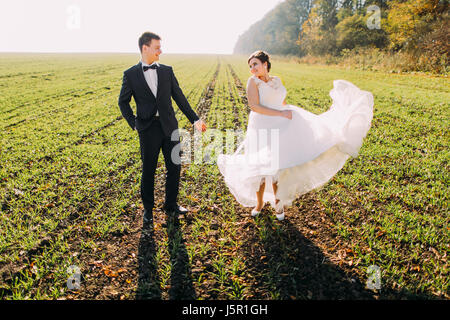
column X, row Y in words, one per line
column 200, row 125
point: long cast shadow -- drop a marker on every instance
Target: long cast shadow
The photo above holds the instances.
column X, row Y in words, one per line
column 148, row 279
column 287, row 265
column 181, row 286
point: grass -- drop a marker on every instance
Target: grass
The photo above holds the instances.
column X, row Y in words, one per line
column 70, row 175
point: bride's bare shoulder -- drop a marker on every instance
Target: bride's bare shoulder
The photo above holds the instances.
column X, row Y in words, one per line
column 252, row 81
column 252, row 78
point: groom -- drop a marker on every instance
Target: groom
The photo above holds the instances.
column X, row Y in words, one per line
column 152, row 86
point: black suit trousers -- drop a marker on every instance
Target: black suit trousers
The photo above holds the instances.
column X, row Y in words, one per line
column 151, row 141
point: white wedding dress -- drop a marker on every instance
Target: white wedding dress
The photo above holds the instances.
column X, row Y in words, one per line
column 302, row 153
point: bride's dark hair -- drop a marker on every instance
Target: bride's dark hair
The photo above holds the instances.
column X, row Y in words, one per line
column 261, row 56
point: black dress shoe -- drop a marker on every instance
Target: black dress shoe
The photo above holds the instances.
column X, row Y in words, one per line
column 148, row 216
column 177, row 210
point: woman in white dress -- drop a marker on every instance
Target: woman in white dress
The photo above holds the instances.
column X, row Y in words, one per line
column 288, row 151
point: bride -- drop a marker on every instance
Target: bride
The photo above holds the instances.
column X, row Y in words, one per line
column 288, row 151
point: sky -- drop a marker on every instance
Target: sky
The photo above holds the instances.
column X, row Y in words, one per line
column 189, row 26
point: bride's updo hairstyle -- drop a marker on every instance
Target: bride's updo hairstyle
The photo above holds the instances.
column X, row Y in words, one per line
column 261, row 56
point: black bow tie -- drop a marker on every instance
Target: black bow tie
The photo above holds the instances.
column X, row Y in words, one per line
column 153, row 66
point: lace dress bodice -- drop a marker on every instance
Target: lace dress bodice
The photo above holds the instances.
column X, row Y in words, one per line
column 271, row 93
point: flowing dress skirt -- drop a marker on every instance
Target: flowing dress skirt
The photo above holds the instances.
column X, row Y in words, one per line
column 300, row 154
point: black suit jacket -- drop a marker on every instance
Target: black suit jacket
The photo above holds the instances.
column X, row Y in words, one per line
column 147, row 104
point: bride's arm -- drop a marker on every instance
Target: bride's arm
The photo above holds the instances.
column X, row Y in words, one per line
column 253, row 101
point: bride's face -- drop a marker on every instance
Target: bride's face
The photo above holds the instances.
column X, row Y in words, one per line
column 257, row 68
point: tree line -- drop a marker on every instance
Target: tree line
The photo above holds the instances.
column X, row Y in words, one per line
column 333, row 27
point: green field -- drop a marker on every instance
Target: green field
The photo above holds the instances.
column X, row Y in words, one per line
column 70, row 173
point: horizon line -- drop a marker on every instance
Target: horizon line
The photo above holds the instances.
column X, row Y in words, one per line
column 116, row 52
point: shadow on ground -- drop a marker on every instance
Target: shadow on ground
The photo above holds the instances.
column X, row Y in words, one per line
column 181, row 287
column 287, row 265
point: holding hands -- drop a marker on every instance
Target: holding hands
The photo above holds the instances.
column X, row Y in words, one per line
column 200, row 125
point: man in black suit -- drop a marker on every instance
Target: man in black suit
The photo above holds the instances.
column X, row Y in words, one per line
column 152, row 85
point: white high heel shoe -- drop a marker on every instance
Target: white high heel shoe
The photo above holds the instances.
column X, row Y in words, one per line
column 255, row 212
column 279, row 211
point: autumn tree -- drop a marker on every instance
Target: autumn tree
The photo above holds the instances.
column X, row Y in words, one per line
column 409, row 22
column 318, row 32
column 355, row 30
column 278, row 31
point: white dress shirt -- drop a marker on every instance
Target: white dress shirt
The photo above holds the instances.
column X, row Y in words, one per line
column 151, row 76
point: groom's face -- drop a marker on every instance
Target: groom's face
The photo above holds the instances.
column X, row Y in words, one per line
column 152, row 50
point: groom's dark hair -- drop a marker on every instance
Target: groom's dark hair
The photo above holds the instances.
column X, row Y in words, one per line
column 146, row 37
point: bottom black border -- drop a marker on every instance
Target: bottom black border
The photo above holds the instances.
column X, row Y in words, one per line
column 221, row 309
